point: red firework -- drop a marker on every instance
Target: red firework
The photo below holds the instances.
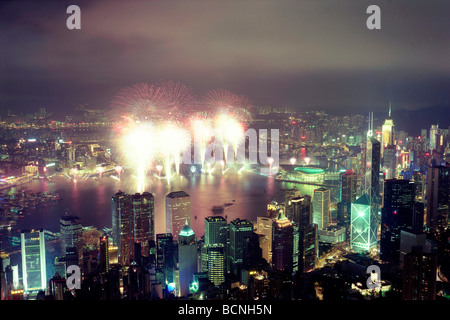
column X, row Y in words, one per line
column 224, row 101
column 139, row 102
column 179, row 101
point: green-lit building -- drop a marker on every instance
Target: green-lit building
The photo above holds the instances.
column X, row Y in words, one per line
column 364, row 224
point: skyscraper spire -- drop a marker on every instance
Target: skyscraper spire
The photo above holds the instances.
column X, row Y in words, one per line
column 370, row 129
column 390, row 109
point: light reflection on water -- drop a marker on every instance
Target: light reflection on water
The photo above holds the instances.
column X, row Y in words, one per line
column 91, row 199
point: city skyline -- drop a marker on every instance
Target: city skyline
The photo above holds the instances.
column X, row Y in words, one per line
column 226, row 151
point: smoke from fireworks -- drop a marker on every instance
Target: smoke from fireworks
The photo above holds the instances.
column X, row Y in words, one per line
column 154, row 124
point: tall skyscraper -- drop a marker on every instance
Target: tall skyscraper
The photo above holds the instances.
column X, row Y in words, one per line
column 387, row 132
column 348, row 186
column 132, row 222
column 419, row 182
column 162, row 239
column 216, row 254
column 419, row 275
column 178, row 210
column 265, row 229
column 142, row 208
column 321, row 208
column 104, row 254
column 122, row 223
column 187, row 259
column 397, row 214
column 239, row 230
column 282, row 243
column 364, row 226
column 215, row 230
column 434, row 130
column 71, row 232
column 371, row 185
column 34, row 271
column 390, row 161
column 438, row 193
column 305, row 233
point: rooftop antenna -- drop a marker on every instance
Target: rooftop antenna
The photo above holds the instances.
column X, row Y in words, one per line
column 370, row 131
column 390, row 109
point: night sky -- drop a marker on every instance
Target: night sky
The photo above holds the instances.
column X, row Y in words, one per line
column 304, row 54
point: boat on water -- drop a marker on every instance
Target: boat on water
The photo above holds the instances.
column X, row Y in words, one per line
column 217, row 209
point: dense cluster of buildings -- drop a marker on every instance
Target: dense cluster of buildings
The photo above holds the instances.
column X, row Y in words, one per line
column 391, row 210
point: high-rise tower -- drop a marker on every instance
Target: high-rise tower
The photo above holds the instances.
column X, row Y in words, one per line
column 321, row 208
column 397, row 214
column 387, row 132
column 282, row 243
column 34, row 271
column 178, row 210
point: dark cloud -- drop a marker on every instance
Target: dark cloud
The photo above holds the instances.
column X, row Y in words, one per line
column 299, row 53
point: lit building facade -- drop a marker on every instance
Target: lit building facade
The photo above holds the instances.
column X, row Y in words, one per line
column 305, row 250
column 387, row 132
column 239, row 231
column 187, row 259
column 397, row 214
column 282, row 243
column 216, row 254
column 363, row 233
column 371, row 186
column 71, row 232
column 265, row 229
column 321, row 208
column 132, row 222
column 34, row 271
column 178, row 210
column 438, row 194
column 216, row 230
column 348, row 187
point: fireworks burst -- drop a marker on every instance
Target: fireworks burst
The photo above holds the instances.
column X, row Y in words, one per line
column 154, row 124
column 220, row 101
column 173, row 141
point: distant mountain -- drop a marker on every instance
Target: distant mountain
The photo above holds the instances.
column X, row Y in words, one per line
column 411, row 121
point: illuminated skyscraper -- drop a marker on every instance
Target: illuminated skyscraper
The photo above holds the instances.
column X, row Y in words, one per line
column 133, row 222
column 178, row 210
column 34, row 270
column 397, row 214
column 239, row 230
column 162, row 239
column 438, row 194
column 371, row 183
column 348, row 186
column 434, row 130
column 282, row 243
column 363, row 233
column 104, row 254
column 390, row 162
column 71, row 232
column 215, row 230
column 187, row 259
column 142, row 208
column 265, row 229
column 216, row 254
column 306, row 233
column 122, row 221
column 321, row 208
column 387, row 132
